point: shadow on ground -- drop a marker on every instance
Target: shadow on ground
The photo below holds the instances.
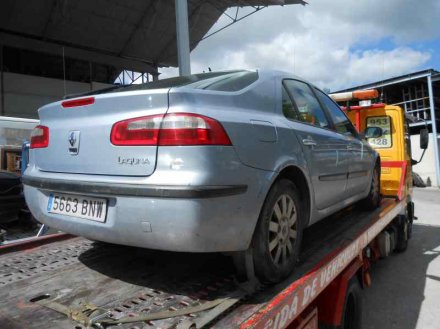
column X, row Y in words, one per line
column 398, row 290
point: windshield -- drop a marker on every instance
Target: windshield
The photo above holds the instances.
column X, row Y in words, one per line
column 218, row 81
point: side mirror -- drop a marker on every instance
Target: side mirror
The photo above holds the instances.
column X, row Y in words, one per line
column 424, row 138
column 373, row 132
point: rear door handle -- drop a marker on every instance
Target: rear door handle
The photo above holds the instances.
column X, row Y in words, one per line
column 309, row 142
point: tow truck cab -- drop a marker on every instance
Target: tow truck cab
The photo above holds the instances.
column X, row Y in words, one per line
column 386, row 129
column 394, row 145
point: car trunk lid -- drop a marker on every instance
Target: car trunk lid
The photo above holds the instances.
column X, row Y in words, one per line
column 79, row 135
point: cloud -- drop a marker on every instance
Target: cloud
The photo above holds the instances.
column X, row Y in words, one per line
column 334, row 44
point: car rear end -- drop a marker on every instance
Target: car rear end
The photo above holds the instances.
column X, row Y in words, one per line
column 134, row 168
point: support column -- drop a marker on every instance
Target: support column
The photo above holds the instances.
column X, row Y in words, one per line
column 2, row 84
column 434, row 130
column 155, row 74
column 182, row 33
column 91, row 75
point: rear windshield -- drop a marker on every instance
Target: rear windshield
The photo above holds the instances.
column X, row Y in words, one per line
column 218, row 81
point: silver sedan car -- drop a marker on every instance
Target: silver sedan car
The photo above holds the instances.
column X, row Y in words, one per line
column 215, row 162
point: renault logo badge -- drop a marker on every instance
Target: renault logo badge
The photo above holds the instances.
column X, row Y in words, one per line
column 74, row 142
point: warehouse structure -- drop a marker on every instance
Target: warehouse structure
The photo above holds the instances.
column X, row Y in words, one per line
column 50, row 48
column 418, row 94
column 53, row 48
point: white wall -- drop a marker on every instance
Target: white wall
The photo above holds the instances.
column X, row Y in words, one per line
column 426, row 168
column 24, row 94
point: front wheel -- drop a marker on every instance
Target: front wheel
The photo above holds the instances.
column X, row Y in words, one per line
column 278, row 234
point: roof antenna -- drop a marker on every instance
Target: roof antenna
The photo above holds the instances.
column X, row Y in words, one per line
column 294, row 55
column 383, row 77
column 64, row 74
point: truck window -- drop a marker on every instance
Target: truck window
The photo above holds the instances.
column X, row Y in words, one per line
column 384, row 122
column 309, row 109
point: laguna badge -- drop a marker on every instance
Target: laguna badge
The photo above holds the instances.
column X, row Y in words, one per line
column 74, row 142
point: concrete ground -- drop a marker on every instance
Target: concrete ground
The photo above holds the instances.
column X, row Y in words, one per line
column 405, row 293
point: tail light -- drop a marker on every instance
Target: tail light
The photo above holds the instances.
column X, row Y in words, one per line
column 39, row 137
column 176, row 129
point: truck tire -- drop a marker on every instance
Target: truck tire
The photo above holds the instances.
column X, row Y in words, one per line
column 403, row 233
column 277, row 238
column 352, row 316
column 372, row 201
column 352, row 311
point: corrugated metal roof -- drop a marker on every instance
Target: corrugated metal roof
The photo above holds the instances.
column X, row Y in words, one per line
column 135, row 31
column 393, row 80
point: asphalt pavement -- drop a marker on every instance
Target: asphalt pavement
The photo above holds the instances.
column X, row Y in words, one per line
column 405, row 293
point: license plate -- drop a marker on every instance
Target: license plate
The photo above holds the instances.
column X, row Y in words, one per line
column 77, row 206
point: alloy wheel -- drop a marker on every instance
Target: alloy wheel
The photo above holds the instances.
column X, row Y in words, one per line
column 282, row 230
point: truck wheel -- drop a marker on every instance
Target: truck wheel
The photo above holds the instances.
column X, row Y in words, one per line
column 277, row 237
column 352, row 316
column 372, row 201
column 352, row 311
column 403, row 233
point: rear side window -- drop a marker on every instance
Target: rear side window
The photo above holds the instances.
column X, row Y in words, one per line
column 288, row 108
column 309, row 109
column 341, row 122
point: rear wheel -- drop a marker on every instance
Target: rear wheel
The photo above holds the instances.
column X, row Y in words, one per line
column 372, row 201
column 278, row 234
column 353, row 306
column 404, row 229
column 352, row 311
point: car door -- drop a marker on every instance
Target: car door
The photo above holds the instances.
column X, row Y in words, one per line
column 324, row 150
column 360, row 159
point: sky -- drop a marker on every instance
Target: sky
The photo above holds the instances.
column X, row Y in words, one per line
column 334, row 44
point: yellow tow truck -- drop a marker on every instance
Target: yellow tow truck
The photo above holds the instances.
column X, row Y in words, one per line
column 386, row 129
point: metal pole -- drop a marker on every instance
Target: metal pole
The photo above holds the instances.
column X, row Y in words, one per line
column 91, row 75
column 2, row 84
column 182, row 33
column 434, row 130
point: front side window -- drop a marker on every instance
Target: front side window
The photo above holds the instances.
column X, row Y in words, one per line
column 309, row 109
column 342, row 124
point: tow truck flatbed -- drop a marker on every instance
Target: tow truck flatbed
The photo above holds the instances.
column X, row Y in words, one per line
column 130, row 281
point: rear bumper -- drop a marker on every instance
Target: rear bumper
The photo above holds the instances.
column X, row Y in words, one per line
column 203, row 218
column 137, row 190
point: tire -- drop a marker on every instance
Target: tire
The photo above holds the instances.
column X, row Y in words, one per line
column 403, row 233
column 372, row 201
column 277, row 238
column 352, row 317
column 352, row 311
